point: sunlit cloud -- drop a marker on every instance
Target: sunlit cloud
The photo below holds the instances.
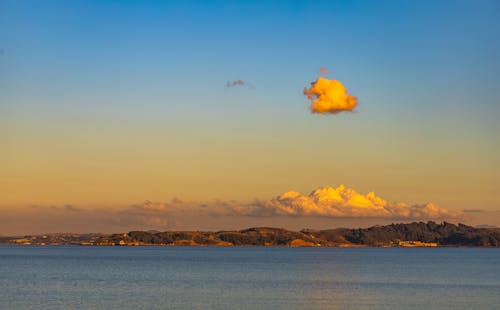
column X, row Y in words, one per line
column 343, row 202
column 323, row 70
column 329, row 97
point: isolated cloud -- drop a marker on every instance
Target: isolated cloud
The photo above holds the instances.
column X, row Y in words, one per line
column 347, row 203
column 323, row 70
column 235, row 83
column 329, row 96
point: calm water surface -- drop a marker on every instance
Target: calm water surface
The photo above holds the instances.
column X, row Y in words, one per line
column 248, row 278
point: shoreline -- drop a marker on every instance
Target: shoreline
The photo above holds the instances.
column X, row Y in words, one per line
column 409, row 235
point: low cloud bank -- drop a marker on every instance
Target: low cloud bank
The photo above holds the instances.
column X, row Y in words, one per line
column 340, row 202
column 325, row 204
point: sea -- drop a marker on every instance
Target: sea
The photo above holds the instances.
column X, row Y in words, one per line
column 79, row 277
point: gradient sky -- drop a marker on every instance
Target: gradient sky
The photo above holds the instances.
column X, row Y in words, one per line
column 110, row 103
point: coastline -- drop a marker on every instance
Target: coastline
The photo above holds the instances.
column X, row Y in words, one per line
column 410, row 235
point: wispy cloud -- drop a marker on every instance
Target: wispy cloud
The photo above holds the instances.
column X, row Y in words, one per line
column 72, row 208
column 239, row 83
column 473, row 210
column 235, row 83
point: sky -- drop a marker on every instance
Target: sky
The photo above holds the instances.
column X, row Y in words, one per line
column 117, row 114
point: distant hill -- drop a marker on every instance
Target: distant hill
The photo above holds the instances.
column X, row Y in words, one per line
column 444, row 234
column 411, row 234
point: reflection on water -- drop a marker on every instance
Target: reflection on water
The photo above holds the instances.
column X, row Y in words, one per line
column 248, row 277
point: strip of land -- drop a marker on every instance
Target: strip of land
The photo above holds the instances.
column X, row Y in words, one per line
column 417, row 234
